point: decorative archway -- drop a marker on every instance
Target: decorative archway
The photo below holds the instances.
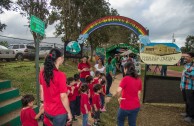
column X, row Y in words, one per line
column 129, row 23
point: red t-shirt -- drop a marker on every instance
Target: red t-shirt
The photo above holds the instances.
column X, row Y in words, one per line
column 130, row 87
column 96, row 100
column 91, row 89
column 77, row 87
column 84, row 100
column 72, row 97
column 27, row 117
column 104, row 88
column 96, row 81
column 81, row 66
column 52, row 100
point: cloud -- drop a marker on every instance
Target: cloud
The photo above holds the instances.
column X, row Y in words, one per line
column 161, row 17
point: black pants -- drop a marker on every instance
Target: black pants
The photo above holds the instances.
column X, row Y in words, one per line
column 109, row 83
column 77, row 104
column 122, row 68
column 188, row 97
column 73, row 107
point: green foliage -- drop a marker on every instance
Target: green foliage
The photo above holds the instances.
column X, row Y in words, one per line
column 36, row 8
column 4, row 43
column 23, row 74
column 189, row 44
column 4, row 4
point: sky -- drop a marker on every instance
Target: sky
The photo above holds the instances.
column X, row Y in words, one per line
column 161, row 17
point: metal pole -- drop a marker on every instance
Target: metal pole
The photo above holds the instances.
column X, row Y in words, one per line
column 37, row 41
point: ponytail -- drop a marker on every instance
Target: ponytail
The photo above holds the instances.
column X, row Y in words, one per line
column 49, row 65
column 130, row 70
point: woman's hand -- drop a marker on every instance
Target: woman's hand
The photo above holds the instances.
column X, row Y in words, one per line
column 120, row 99
column 69, row 117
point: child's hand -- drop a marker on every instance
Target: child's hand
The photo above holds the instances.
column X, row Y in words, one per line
column 120, row 99
column 72, row 87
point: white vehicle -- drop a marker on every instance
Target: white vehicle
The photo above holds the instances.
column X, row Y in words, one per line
column 6, row 53
column 3, row 47
column 18, row 51
column 44, row 51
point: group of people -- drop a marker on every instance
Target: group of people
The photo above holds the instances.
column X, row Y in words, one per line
column 65, row 98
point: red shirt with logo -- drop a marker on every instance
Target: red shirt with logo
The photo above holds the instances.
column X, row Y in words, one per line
column 130, row 88
column 52, row 100
column 84, row 101
column 27, row 117
column 81, row 66
column 96, row 100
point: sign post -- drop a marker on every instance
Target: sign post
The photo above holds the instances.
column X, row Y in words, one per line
column 37, row 26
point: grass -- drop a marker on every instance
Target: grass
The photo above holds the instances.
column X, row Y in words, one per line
column 176, row 68
column 23, row 74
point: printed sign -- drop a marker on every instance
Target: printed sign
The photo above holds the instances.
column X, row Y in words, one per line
column 72, row 50
column 37, row 25
column 160, row 53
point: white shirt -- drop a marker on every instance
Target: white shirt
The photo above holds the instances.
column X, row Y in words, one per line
column 101, row 70
column 123, row 61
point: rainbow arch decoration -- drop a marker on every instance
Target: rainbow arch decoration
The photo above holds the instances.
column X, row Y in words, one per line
column 133, row 25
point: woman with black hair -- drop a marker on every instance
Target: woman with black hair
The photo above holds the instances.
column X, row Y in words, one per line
column 84, row 69
column 130, row 87
column 100, row 66
column 53, row 90
column 109, row 76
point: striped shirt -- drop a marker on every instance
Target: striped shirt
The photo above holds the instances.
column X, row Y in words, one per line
column 187, row 80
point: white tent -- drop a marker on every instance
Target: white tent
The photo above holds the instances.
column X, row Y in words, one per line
column 126, row 52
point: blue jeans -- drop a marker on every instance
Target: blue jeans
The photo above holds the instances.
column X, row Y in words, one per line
column 85, row 120
column 59, row 120
column 83, row 80
column 131, row 114
column 102, row 100
column 114, row 70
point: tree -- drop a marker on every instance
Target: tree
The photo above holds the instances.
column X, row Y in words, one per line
column 4, row 43
column 38, row 8
column 189, row 44
column 4, row 4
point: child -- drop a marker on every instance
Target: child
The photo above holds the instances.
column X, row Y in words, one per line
column 103, row 94
column 96, row 78
column 71, row 95
column 77, row 85
column 96, row 103
column 89, row 81
column 28, row 116
column 85, row 106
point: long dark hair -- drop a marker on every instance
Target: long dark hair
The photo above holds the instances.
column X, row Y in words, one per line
column 86, row 61
column 101, row 61
column 109, row 60
column 130, row 70
column 49, row 64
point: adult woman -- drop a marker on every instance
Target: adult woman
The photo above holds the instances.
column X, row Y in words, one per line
column 109, row 70
column 100, row 66
column 84, row 68
column 53, row 90
column 130, row 88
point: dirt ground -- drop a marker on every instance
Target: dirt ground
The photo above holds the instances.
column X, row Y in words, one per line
column 149, row 115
